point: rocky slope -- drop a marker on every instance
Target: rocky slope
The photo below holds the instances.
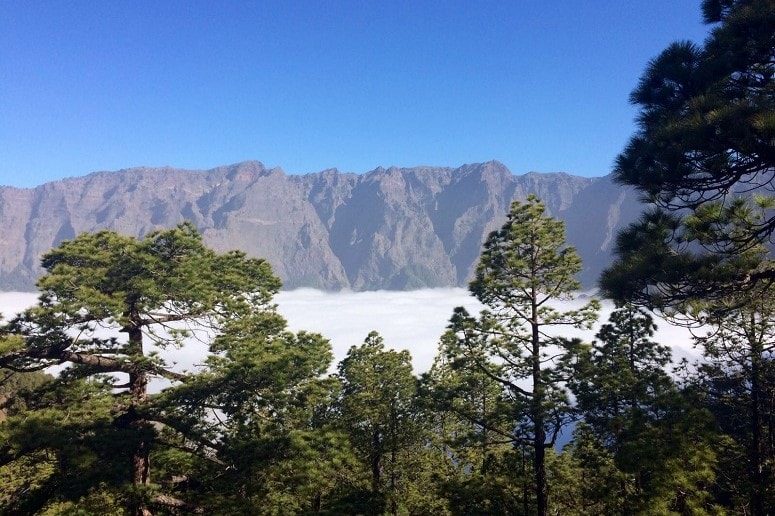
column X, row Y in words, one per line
column 395, row 228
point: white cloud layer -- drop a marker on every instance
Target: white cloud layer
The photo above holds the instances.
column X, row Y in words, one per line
column 411, row 320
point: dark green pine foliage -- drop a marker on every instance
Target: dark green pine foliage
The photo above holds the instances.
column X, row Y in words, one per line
column 258, row 416
column 15, row 385
column 524, row 268
column 739, row 348
column 706, row 112
column 108, row 304
column 622, row 375
column 487, row 467
column 378, row 408
column 585, row 480
column 737, row 381
column 668, row 259
column 704, row 154
column 660, row 439
column 706, row 137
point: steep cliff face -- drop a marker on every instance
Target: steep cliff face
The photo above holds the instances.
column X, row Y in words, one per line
column 395, row 228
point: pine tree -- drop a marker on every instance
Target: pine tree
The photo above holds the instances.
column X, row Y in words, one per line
column 660, row 440
column 621, row 375
column 525, row 267
column 474, row 436
column 705, row 143
column 377, row 408
column 739, row 349
column 262, row 410
column 738, row 378
column 585, row 480
column 108, row 303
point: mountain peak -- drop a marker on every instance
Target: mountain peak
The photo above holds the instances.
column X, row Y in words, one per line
column 394, row 228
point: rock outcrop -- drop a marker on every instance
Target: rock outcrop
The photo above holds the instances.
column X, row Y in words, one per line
column 394, row 228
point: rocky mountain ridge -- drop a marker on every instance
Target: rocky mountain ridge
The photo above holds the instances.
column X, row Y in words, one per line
column 394, row 228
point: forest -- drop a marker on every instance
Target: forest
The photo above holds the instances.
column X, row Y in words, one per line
column 513, row 417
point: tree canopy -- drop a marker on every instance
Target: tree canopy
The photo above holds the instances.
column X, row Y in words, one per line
column 704, row 156
column 524, row 268
column 514, row 417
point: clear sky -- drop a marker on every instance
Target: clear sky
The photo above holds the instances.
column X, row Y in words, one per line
column 307, row 85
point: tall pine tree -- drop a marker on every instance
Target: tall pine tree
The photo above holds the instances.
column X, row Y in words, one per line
column 525, row 268
column 108, row 305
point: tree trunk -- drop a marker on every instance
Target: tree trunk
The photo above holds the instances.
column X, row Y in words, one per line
column 140, row 458
column 376, row 459
column 393, row 450
column 484, row 434
column 757, row 464
column 317, row 503
column 393, row 504
column 525, row 486
column 138, row 393
column 539, row 450
column 537, row 409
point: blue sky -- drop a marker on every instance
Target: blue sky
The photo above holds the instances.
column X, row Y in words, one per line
column 538, row 85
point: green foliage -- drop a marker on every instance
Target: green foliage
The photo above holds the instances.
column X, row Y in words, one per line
column 474, row 416
column 261, row 408
column 524, row 268
column 473, row 440
column 505, row 488
column 263, row 428
column 98, row 501
column 61, row 444
column 706, row 111
column 378, row 409
column 105, row 275
column 621, row 377
column 107, row 304
column 737, row 382
column 660, row 444
column 585, row 480
column 15, row 387
column 666, row 259
column 703, row 153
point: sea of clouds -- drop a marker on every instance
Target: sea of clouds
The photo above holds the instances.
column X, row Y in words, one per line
column 411, row 320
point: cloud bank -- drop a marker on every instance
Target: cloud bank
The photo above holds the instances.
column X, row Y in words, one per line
column 411, row 320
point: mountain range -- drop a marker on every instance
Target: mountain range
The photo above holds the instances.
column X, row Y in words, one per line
column 390, row 228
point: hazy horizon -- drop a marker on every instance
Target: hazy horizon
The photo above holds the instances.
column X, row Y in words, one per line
column 280, row 167
column 412, row 320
